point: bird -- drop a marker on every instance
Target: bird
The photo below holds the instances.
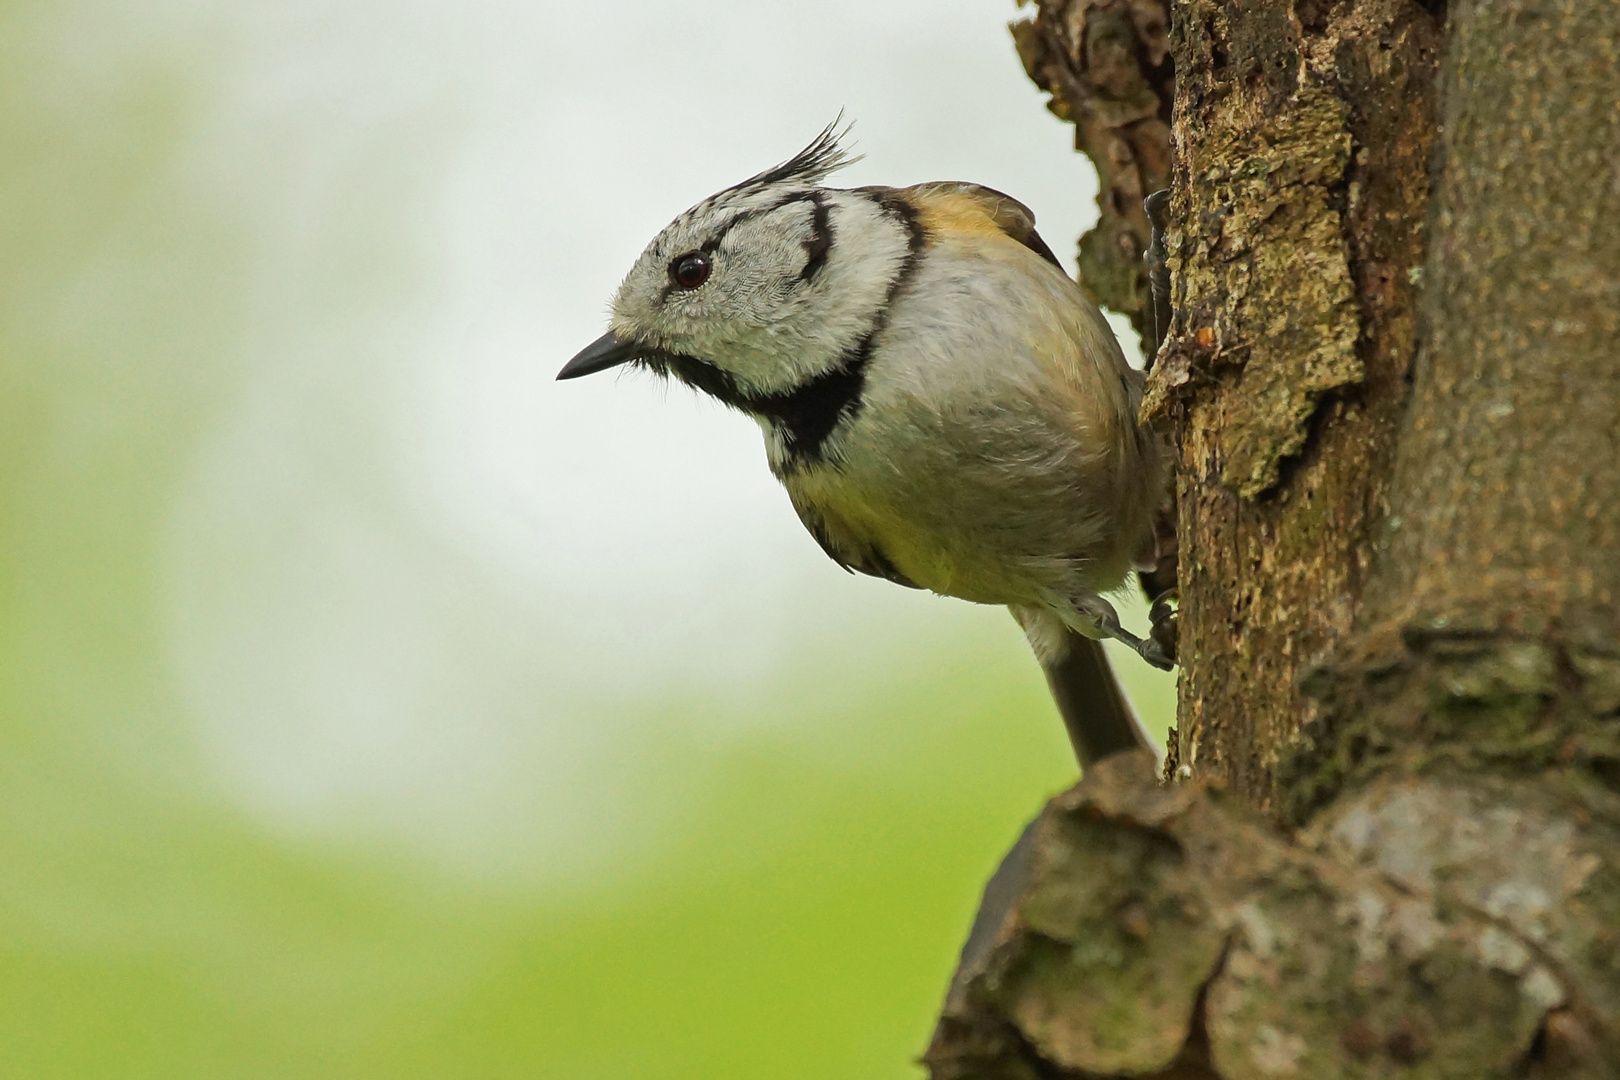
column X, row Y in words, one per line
column 946, row 407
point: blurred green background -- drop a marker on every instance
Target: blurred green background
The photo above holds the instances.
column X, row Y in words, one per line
column 370, row 708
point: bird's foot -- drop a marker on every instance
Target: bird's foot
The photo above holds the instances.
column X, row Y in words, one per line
column 1102, row 613
column 1154, row 654
column 1165, row 616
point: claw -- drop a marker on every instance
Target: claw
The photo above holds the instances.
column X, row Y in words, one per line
column 1106, row 620
column 1154, row 654
column 1166, row 626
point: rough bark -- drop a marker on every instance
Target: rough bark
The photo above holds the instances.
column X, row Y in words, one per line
column 1301, row 196
column 1394, row 384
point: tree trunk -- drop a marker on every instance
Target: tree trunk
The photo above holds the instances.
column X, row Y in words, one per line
column 1393, row 380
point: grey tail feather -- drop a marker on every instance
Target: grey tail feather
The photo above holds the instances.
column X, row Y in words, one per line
column 1099, row 719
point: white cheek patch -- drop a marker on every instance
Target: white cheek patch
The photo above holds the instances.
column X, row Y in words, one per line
column 800, row 281
column 869, row 252
column 804, row 326
column 763, row 259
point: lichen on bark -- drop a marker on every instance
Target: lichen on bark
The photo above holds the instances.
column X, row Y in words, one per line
column 1170, row 933
column 1303, row 142
column 1268, row 245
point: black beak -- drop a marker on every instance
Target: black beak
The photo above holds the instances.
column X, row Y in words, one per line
column 605, row 352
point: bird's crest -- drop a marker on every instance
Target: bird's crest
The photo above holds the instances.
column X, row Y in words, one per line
column 824, row 156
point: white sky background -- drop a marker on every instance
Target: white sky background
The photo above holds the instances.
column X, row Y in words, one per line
column 418, row 588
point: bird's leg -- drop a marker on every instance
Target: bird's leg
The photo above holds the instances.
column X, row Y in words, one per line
column 1106, row 620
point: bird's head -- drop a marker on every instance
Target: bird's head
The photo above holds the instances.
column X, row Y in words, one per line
column 763, row 287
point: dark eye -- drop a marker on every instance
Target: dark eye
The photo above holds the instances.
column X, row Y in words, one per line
column 690, row 270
